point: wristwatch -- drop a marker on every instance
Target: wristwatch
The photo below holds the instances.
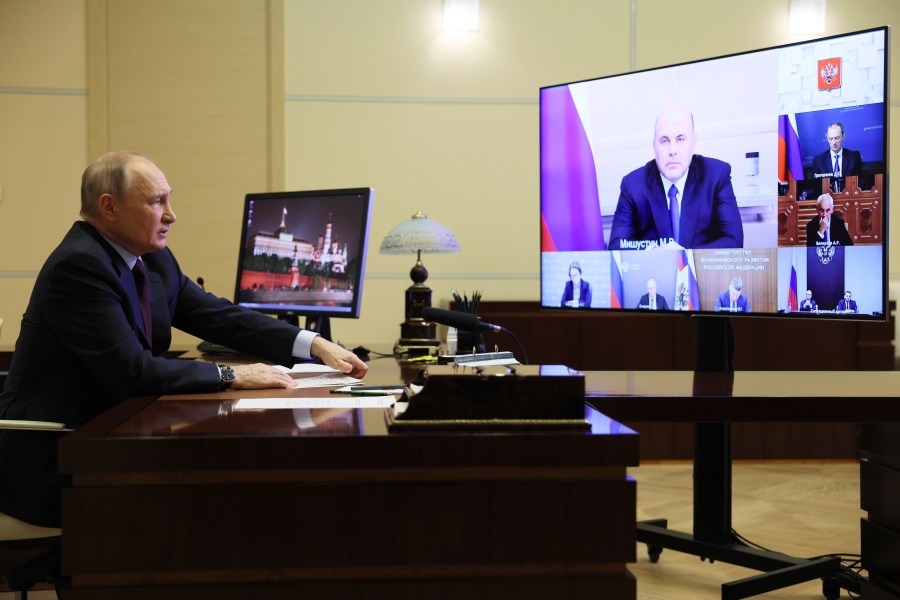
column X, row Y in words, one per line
column 226, row 374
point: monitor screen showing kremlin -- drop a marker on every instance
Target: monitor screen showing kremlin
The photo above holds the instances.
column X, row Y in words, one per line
column 752, row 184
column 304, row 253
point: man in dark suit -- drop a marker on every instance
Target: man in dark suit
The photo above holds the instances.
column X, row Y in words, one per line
column 98, row 326
column 733, row 299
column 826, row 228
column 837, row 162
column 847, row 304
column 808, row 304
column 651, row 300
column 679, row 199
column 577, row 291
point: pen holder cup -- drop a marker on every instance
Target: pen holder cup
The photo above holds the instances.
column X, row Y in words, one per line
column 466, row 340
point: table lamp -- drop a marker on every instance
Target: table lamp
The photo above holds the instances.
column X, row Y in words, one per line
column 415, row 236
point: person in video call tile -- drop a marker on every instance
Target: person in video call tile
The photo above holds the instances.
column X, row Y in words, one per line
column 651, row 300
column 826, row 228
column 577, row 293
column 837, row 161
column 679, row 199
column 847, row 304
column 733, row 299
column 808, row 304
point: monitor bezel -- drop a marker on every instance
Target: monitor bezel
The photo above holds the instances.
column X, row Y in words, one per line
column 291, row 312
column 883, row 316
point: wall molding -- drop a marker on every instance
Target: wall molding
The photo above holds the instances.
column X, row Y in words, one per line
column 44, row 91
column 408, row 99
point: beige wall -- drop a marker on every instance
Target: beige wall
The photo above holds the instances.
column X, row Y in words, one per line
column 232, row 96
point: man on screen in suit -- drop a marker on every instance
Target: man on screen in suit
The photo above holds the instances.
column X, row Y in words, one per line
column 827, row 228
column 733, row 299
column 837, row 162
column 651, row 300
column 847, row 304
column 99, row 324
column 808, row 304
column 679, row 199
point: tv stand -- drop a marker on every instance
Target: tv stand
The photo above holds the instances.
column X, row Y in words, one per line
column 713, row 537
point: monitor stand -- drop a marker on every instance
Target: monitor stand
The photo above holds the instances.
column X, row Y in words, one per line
column 320, row 325
column 713, row 537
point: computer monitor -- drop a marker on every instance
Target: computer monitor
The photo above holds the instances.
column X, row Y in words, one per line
column 303, row 254
column 709, row 187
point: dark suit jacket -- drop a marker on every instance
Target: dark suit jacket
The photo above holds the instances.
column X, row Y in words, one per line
column 842, row 305
column 723, row 303
column 804, row 308
column 837, row 232
column 851, row 164
column 661, row 303
column 709, row 212
column 569, row 295
column 81, row 350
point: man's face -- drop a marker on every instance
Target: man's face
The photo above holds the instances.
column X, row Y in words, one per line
column 847, row 296
column 651, row 288
column 735, row 294
column 808, row 295
column 142, row 219
column 835, row 138
column 673, row 143
column 825, row 208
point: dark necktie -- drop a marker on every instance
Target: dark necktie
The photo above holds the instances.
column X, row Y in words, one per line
column 673, row 211
column 837, row 166
column 143, row 290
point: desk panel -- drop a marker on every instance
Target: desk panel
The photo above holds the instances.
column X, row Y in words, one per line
column 176, row 497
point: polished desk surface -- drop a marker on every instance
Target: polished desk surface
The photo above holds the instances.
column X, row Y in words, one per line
column 360, row 436
column 746, row 395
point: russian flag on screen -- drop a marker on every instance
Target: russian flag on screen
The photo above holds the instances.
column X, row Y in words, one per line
column 686, row 280
column 616, row 293
column 790, row 163
column 792, row 288
column 570, row 202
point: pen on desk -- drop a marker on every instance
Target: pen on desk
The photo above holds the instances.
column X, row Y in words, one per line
column 378, row 389
column 375, row 392
column 357, row 388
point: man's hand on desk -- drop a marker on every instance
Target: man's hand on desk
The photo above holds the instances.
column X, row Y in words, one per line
column 259, row 376
column 338, row 358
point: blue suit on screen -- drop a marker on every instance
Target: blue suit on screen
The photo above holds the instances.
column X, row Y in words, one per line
column 709, row 212
column 723, row 303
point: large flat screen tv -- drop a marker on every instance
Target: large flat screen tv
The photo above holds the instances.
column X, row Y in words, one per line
column 712, row 187
column 303, row 254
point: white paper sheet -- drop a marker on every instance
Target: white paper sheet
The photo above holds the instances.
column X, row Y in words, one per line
column 307, row 368
column 330, row 402
column 325, row 380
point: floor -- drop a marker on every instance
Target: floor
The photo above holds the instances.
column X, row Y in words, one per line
column 801, row 509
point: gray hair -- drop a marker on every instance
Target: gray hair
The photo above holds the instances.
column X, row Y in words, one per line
column 109, row 174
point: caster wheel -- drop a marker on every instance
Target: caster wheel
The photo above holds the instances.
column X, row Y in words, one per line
column 653, row 552
column 831, row 589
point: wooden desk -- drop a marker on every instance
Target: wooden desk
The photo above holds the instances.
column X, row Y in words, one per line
column 169, row 498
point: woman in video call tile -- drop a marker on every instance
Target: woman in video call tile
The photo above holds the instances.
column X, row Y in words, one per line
column 577, row 293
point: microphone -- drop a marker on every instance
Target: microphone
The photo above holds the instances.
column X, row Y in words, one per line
column 460, row 320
